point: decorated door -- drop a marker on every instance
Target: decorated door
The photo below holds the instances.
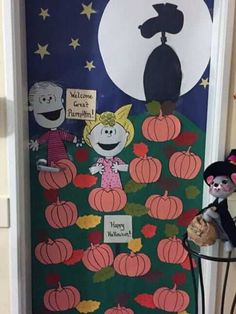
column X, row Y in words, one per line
column 118, row 94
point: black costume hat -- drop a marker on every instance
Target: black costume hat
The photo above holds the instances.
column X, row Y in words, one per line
column 222, row 168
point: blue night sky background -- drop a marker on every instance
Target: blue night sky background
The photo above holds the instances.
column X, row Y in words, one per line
column 66, row 66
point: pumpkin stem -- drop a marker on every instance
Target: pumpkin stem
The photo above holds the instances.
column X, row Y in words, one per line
column 49, row 241
column 160, row 114
column 188, row 151
column 118, row 306
column 59, row 286
column 58, row 200
column 175, row 287
column 165, row 194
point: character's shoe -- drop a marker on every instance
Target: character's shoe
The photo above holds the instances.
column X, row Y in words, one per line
column 169, row 20
column 42, row 166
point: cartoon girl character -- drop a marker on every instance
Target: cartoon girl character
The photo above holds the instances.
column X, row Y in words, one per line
column 47, row 105
column 108, row 135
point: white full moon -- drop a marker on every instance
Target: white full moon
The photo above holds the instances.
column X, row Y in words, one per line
column 125, row 52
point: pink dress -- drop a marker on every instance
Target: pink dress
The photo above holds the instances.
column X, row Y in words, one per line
column 56, row 148
column 110, row 179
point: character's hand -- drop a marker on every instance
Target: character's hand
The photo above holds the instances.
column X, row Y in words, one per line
column 75, row 140
column 116, row 167
column 99, row 168
column 34, row 145
column 210, row 214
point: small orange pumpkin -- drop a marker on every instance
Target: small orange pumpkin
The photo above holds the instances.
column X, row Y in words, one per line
column 185, row 165
column 171, row 251
column 62, row 298
column 57, row 180
column 144, row 169
column 61, row 214
column 97, row 257
column 132, row 265
column 107, row 200
column 171, row 300
column 119, row 310
column 164, row 207
column 53, row 251
column 161, row 128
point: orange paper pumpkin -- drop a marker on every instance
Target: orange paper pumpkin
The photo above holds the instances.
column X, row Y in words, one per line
column 53, row 251
column 107, row 200
column 62, row 298
column 185, row 165
column 132, row 265
column 171, row 251
column 61, row 214
column 119, row 310
column 164, row 207
column 161, row 128
column 171, row 300
column 57, row 180
column 97, row 257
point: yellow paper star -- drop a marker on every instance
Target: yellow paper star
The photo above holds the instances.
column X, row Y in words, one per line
column 44, row 13
column 89, row 65
column 42, row 51
column 74, row 43
column 205, row 82
column 88, row 10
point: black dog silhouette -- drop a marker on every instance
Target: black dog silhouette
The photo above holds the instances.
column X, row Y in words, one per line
column 163, row 75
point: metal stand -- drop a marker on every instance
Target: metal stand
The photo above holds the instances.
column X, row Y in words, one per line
column 199, row 257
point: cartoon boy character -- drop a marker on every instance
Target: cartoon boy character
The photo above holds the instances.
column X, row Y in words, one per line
column 46, row 103
column 108, row 135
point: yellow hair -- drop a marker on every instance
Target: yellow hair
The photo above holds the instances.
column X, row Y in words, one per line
column 109, row 119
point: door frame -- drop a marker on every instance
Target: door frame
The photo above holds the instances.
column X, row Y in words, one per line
column 17, row 140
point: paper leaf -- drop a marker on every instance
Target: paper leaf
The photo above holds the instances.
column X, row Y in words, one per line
column 135, row 245
column 168, row 184
column 122, row 298
column 136, row 210
column 153, row 108
column 88, row 222
column 88, row 306
column 51, row 196
column 192, row 192
column 186, row 264
column 95, row 237
column 171, row 230
column 75, row 258
column 52, row 279
column 184, row 312
column 85, row 181
column 186, row 138
column 81, row 154
column 145, row 300
column 179, row 278
column 167, row 107
column 132, row 186
column 149, row 231
column 153, row 276
column 140, row 149
column 185, row 218
column 104, row 274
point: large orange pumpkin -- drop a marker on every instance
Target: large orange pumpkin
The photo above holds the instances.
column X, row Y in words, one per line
column 145, row 169
column 62, row 298
column 107, row 200
column 57, row 180
column 97, row 257
column 119, row 310
column 61, row 214
column 53, row 251
column 161, row 128
column 164, row 207
column 171, row 251
column 185, row 165
column 171, row 300
column 132, row 265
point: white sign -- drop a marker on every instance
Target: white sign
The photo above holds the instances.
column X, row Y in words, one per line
column 117, row 229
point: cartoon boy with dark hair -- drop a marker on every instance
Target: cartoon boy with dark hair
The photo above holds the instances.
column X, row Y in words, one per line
column 46, row 102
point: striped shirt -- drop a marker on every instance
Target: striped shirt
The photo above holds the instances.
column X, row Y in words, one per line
column 56, row 147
